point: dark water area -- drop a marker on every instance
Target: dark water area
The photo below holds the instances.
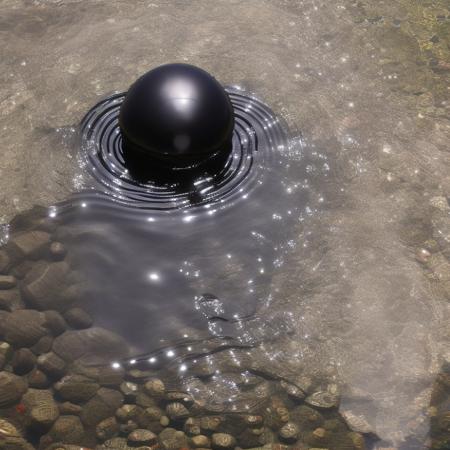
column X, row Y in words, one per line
column 150, row 252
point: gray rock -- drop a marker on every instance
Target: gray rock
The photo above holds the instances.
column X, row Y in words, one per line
column 222, row 441
column 7, row 281
column 103, row 405
column 41, row 409
column 22, row 328
column 52, row 365
column 23, row 361
column 172, row 439
column 78, row 318
column 46, row 284
column 55, row 322
column 94, row 345
column 76, row 388
column 141, row 437
column 12, row 387
column 28, row 244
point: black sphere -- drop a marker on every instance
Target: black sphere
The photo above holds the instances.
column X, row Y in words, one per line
column 177, row 115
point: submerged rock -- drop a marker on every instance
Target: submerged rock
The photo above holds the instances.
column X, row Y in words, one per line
column 222, row 441
column 103, row 405
column 51, row 364
column 55, row 323
column 46, row 285
column 7, row 281
column 107, row 428
column 76, row 388
column 41, row 409
column 23, row 361
column 289, row 432
column 78, row 318
column 141, row 437
column 22, row 328
column 28, row 244
column 12, row 387
column 93, row 345
column 176, row 411
column 67, row 429
column 172, row 439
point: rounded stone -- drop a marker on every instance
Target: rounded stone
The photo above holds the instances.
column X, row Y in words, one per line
column 201, row 441
column 78, row 318
column 289, row 432
column 176, row 114
column 23, row 361
column 176, row 411
column 107, row 428
column 155, row 387
column 223, row 441
column 141, row 437
column 12, row 388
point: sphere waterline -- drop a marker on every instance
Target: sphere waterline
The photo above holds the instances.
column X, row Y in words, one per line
column 258, row 138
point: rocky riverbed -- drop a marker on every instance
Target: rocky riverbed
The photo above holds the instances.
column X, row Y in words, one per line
column 66, row 383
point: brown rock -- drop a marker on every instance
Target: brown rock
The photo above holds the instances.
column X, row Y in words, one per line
column 155, row 387
column 289, row 432
column 7, row 281
column 128, row 412
column 12, row 388
column 76, row 388
column 223, row 441
column 55, row 323
column 38, row 379
column 67, row 429
column 5, row 354
column 23, row 361
column 57, row 251
column 107, row 428
column 141, row 437
column 20, row 270
column 5, row 261
column 10, row 300
column 23, row 328
column 78, row 318
column 70, row 409
column 101, row 406
column 176, row 411
column 44, row 345
column 201, row 441
column 46, row 284
column 41, row 409
column 95, row 345
column 28, row 244
column 52, row 365
column 172, row 439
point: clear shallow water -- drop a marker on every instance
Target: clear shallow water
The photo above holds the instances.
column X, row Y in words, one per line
column 367, row 86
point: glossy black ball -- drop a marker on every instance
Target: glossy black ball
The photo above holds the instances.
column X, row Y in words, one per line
column 178, row 115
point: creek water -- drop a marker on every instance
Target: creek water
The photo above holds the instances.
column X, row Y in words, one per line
column 325, row 253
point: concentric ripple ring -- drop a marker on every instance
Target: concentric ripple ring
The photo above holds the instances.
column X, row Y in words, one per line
column 258, row 137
